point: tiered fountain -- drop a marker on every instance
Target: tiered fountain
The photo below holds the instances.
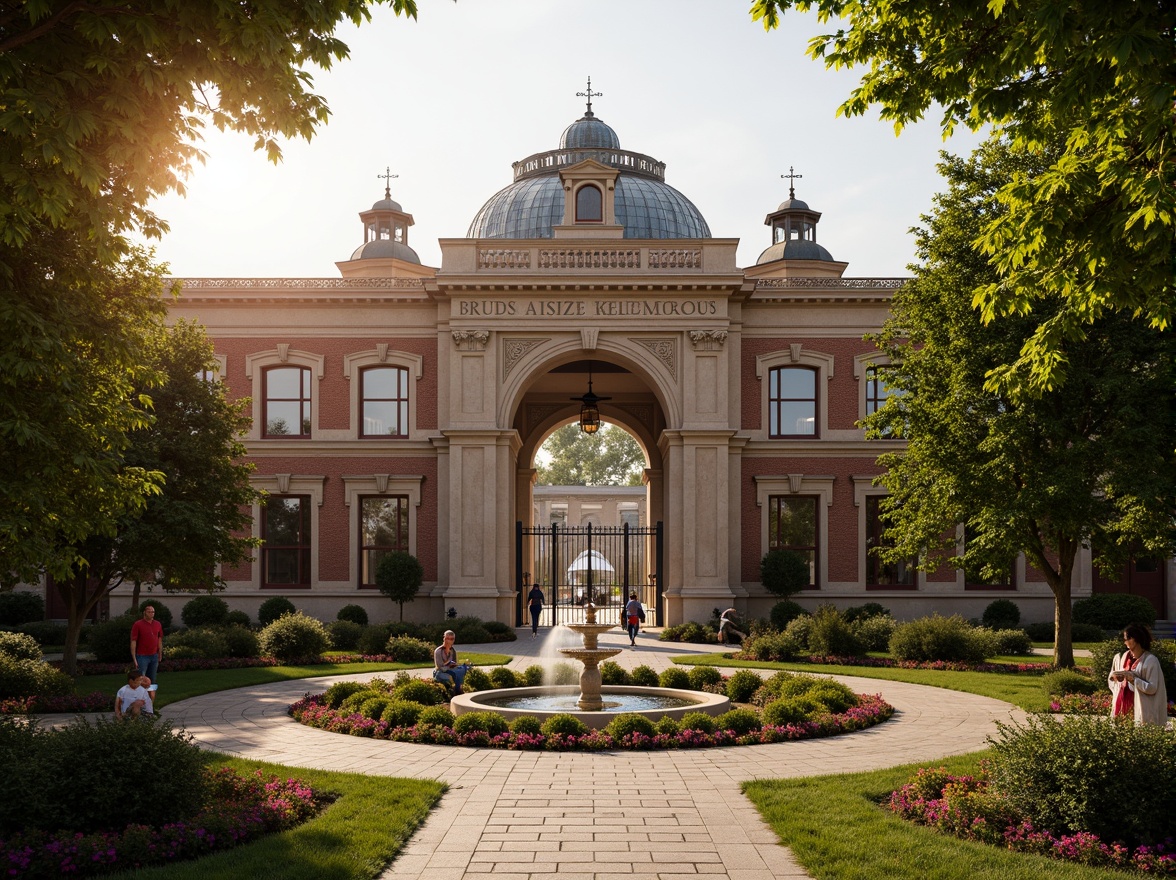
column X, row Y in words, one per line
column 596, row 705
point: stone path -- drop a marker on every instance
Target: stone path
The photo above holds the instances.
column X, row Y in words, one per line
column 623, row 815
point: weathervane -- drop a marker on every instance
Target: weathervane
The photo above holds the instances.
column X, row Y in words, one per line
column 387, row 177
column 589, row 95
column 790, row 176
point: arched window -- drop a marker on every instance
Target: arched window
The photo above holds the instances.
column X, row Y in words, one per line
column 589, row 205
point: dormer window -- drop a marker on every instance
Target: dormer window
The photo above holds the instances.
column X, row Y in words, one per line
column 589, row 204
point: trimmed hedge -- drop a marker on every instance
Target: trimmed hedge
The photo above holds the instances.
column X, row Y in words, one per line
column 1113, row 611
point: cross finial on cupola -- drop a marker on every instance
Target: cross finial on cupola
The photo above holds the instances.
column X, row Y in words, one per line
column 589, row 95
column 790, row 177
column 387, row 177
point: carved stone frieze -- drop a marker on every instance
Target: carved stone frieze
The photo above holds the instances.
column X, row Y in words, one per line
column 537, row 413
column 642, row 412
column 708, row 340
column 471, row 340
column 664, row 349
column 513, row 351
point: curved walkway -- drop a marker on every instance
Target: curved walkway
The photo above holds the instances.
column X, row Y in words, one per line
column 575, row 816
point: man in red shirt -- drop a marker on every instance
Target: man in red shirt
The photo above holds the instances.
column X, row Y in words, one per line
column 147, row 643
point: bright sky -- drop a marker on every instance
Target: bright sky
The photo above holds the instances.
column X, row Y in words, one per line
column 451, row 100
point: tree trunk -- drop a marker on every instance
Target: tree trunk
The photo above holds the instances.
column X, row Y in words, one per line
column 1063, row 655
column 402, row 612
column 78, row 600
column 135, row 595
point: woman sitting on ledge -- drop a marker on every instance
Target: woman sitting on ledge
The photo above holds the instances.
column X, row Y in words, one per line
column 446, row 668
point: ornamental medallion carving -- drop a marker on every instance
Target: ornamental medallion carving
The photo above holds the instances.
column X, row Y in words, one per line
column 708, row 340
column 471, row 340
column 514, row 350
column 665, row 350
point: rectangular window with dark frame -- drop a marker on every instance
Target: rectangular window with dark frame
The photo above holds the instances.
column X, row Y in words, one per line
column 974, row 578
column 286, row 397
column 792, row 525
column 883, row 575
column 383, row 527
column 383, row 402
column 285, row 531
column 792, row 402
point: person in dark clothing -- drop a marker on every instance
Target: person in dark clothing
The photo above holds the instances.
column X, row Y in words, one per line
column 535, row 606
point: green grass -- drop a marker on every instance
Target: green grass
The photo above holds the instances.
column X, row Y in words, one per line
column 837, row 831
column 1019, row 689
column 175, row 686
column 353, row 839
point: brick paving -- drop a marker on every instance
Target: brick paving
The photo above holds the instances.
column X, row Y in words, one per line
column 623, row 815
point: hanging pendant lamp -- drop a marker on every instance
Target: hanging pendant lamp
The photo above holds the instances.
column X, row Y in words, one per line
column 589, row 407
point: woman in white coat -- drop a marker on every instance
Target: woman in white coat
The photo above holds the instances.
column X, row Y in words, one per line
column 1136, row 681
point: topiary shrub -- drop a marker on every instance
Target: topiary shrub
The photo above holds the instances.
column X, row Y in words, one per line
column 405, row 713
column 937, row 638
column 417, row 690
column 831, row 635
column 1001, row 614
column 352, row 703
column 399, row 576
column 19, row 646
column 1067, row 681
column 783, row 613
column 499, row 631
column 532, row 676
column 564, row 724
column 373, row 707
column 66, row 778
column 687, row 632
column 1041, row 632
column 242, row 641
column 490, row 723
column 239, row 618
column 294, row 637
column 341, row 690
column 613, row 673
column 864, row 612
column 739, row 721
column 46, row 632
column 628, row 723
column 527, row 724
column 785, row 711
column 771, row 647
column 273, row 608
column 28, row 678
column 110, row 642
column 873, row 633
column 204, row 643
column 1113, row 611
column 1083, row 632
column 372, row 640
column 344, row 634
column 742, row 684
column 501, row 677
column 798, row 631
column 162, row 612
column 698, row 721
column 832, row 695
column 668, row 726
column 1013, row 641
column 643, row 676
column 205, row 611
column 470, row 631
column 674, row 677
column 1075, row 775
column 356, row 614
column 476, row 680
column 20, row 606
column 406, row 649
column 435, row 716
column 784, row 572
column 701, row 676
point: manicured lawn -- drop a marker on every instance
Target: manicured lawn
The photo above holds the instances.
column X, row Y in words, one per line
column 175, row 686
column 837, row 830
column 354, row 838
column 1019, row 689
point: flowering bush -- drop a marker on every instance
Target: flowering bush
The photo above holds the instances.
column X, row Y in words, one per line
column 1081, row 704
column 195, row 664
column 968, row 807
column 66, row 703
column 889, row 663
column 313, row 711
column 239, row 809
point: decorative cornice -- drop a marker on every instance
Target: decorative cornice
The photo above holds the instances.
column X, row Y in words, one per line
column 471, row 340
column 830, row 283
column 289, row 283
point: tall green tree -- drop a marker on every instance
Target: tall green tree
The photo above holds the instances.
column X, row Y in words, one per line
column 1090, row 463
column 1093, row 233
column 610, row 457
column 101, row 108
column 201, row 514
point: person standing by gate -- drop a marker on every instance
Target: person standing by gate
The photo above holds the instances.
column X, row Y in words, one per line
column 634, row 614
column 535, row 605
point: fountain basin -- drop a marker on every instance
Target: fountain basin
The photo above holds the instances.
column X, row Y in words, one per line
column 664, row 702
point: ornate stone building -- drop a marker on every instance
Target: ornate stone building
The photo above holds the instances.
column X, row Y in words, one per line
column 400, row 405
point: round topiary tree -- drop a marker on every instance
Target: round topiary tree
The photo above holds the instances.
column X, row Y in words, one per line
column 273, row 608
column 354, row 613
column 1001, row 614
column 205, row 611
column 784, row 572
column 399, row 575
column 294, row 637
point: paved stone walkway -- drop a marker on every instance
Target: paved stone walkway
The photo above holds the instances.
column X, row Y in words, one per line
column 622, row 815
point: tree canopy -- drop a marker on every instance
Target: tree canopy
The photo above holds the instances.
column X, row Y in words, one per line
column 1088, row 463
column 610, row 457
column 1091, row 234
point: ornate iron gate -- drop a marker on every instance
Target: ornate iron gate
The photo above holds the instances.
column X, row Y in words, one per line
column 575, row 565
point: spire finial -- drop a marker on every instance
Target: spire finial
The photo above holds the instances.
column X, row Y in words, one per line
column 589, row 95
column 387, row 177
column 790, row 177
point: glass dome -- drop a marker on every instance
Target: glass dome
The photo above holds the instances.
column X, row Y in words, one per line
column 589, row 132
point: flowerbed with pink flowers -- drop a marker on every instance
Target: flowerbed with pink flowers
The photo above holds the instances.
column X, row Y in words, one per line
column 241, row 808
column 44, row 705
column 968, row 807
column 949, row 665
column 193, row 664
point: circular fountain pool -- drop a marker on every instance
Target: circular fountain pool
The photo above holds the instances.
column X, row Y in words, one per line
column 543, row 702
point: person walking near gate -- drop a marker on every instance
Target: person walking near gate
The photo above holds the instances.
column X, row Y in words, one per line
column 634, row 614
column 535, row 606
